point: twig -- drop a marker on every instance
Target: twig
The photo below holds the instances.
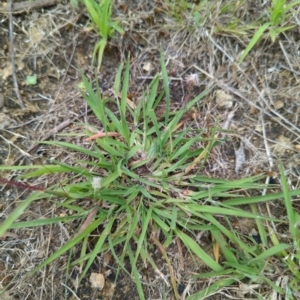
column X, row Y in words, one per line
column 12, row 54
column 102, row 134
column 271, row 163
column 283, row 122
column 272, row 113
column 66, row 71
column 53, row 131
column 88, row 219
column 26, row 6
column 70, row 290
column 179, row 247
column 164, row 254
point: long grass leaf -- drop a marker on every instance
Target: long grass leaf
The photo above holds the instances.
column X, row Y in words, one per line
column 110, row 178
column 44, row 222
column 254, row 40
column 136, row 274
column 91, row 7
column 271, row 252
column 258, row 199
column 98, row 246
column 166, row 87
column 17, row 212
column 211, row 289
column 191, row 244
column 73, row 147
column 71, row 243
column 145, row 219
column 226, row 250
column 123, row 110
column 94, row 101
column 222, row 211
column 294, row 230
column 260, row 226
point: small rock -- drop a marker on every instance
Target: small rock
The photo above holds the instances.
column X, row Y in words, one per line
column 1, row 101
column 279, row 104
column 5, row 121
column 97, row 281
column 147, row 66
column 258, row 128
column 41, row 254
column 283, row 144
column 240, row 158
column 224, row 100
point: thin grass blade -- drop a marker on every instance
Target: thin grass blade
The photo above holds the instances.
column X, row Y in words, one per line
column 191, row 244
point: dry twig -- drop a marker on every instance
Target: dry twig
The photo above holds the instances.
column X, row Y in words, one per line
column 26, row 6
column 171, row 271
column 12, row 54
column 52, row 132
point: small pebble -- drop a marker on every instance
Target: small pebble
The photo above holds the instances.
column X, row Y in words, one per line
column 5, row 121
column 279, row 104
column 1, row 101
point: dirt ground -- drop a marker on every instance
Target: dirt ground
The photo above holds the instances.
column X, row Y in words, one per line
column 258, row 103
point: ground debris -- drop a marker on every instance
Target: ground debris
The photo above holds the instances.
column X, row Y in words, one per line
column 97, row 280
column 239, row 158
column 282, row 145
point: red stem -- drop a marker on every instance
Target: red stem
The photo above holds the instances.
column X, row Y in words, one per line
column 21, row 185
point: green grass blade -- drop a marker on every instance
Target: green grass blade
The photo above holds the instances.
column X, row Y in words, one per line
column 294, row 230
column 70, row 244
column 260, row 226
column 136, row 274
column 98, row 246
column 258, row 199
column 72, row 147
column 95, row 101
column 117, row 82
column 160, row 222
column 91, row 6
column 110, row 178
column 16, row 168
column 273, row 251
column 19, row 210
column 166, row 87
column 191, row 244
column 254, row 40
column 211, row 289
column 52, row 169
column 222, row 211
column 145, row 219
column 107, row 144
column 123, row 110
column 226, row 250
column 230, row 234
column 44, row 222
column 152, row 95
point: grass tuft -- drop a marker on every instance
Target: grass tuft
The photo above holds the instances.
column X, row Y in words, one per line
column 142, row 174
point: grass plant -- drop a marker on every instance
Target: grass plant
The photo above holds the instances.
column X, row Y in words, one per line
column 100, row 14
column 279, row 14
column 143, row 175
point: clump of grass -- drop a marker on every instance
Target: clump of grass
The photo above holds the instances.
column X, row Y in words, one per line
column 143, row 175
column 100, row 14
column 279, row 13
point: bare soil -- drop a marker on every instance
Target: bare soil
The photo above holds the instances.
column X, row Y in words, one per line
column 53, row 43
